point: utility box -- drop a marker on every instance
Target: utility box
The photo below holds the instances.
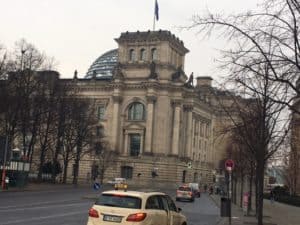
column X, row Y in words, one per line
column 225, row 207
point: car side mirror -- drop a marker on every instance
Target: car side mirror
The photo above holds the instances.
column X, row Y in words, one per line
column 179, row 209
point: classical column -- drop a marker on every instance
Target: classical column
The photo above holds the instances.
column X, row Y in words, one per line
column 176, row 127
column 115, row 122
column 189, row 135
column 149, row 124
column 125, row 147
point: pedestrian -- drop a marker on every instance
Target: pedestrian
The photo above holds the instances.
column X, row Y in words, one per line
column 211, row 190
column 205, row 187
column 272, row 196
column 6, row 182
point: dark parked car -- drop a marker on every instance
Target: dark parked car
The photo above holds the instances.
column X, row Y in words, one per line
column 196, row 189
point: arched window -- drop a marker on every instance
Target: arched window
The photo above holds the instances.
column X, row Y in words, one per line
column 131, row 55
column 136, row 111
column 153, row 54
column 143, row 54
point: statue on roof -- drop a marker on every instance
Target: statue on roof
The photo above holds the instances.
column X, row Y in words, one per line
column 75, row 74
column 178, row 72
column 117, row 72
column 190, row 82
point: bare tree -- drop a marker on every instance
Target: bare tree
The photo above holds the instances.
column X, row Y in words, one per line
column 262, row 64
column 78, row 133
column 104, row 157
column 268, row 36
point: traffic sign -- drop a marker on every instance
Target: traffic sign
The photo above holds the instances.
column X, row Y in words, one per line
column 229, row 165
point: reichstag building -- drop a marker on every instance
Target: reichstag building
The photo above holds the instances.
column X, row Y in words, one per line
column 162, row 122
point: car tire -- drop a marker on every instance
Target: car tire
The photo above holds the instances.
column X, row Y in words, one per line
column 177, row 199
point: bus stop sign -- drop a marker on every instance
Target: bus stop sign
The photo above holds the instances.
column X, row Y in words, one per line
column 229, row 165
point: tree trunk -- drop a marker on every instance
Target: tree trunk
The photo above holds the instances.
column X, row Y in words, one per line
column 66, row 164
column 77, row 159
column 242, row 189
column 250, row 187
column 42, row 161
column 260, row 190
column 59, row 142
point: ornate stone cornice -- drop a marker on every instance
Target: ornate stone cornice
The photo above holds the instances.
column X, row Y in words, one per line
column 188, row 107
column 176, row 102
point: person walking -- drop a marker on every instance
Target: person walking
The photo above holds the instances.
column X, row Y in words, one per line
column 211, row 190
column 272, row 196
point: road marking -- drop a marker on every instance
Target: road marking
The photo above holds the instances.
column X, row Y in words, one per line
column 23, row 221
column 42, row 207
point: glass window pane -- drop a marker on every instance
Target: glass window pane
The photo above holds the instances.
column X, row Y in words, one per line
column 101, row 112
column 135, row 144
column 153, row 54
column 136, row 112
column 119, row 201
column 131, row 55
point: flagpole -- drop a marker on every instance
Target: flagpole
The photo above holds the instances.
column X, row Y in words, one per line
column 154, row 16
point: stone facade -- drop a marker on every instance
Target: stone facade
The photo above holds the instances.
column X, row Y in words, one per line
column 153, row 114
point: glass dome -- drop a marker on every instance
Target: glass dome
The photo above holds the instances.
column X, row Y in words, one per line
column 104, row 65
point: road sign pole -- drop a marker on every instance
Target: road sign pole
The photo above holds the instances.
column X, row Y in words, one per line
column 229, row 165
column 229, row 197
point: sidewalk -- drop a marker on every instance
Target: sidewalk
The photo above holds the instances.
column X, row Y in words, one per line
column 274, row 214
column 41, row 187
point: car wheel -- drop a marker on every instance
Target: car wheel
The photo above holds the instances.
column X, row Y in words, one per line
column 177, row 199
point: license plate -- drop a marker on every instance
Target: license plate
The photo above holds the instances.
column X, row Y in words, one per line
column 116, row 219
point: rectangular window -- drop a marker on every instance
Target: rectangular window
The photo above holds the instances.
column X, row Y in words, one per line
column 101, row 112
column 126, row 172
column 135, row 144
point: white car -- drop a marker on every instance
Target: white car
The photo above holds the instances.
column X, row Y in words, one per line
column 133, row 207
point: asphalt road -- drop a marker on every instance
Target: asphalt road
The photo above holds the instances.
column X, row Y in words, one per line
column 68, row 206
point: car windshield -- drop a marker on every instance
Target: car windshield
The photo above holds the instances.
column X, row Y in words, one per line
column 194, row 185
column 121, row 201
column 184, row 189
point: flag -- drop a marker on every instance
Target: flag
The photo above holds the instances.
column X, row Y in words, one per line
column 156, row 10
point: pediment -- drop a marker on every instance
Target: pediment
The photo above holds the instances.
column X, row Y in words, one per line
column 134, row 126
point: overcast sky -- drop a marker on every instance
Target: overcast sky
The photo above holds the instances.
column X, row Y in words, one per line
column 76, row 32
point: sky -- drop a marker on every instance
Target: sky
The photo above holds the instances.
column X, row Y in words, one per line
column 76, row 32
